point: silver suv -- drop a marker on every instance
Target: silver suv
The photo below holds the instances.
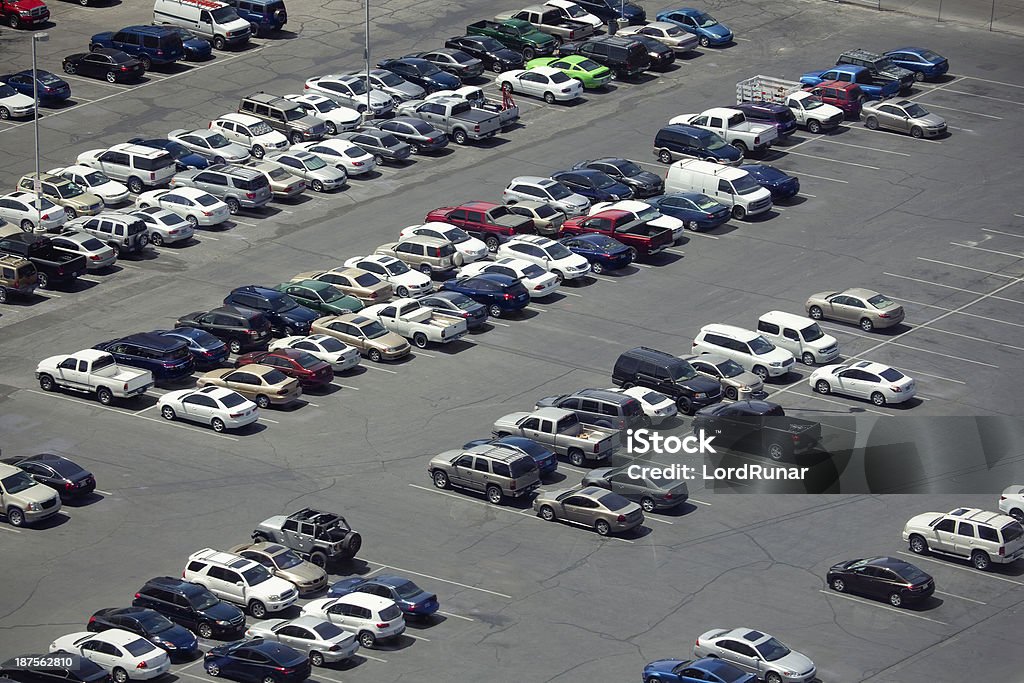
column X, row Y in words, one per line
column 239, row 187
column 498, row 471
column 125, row 233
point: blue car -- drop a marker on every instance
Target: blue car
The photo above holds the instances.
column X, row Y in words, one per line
column 207, row 351
column 410, row 598
column 779, row 183
column 177, row 641
column 707, row 670
column 422, row 73
column 196, row 47
column 596, row 186
column 861, row 75
column 52, row 88
column 547, row 461
column 926, row 65
column 256, row 661
column 149, row 44
column 167, row 358
column 697, row 211
column 184, row 158
column 602, row 252
column 264, row 16
column 708, row 29
column 500, row 293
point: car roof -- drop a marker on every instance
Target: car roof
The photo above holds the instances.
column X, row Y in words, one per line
column 981, row 516
column 238, row 117
column 871, row 366
column 372, row 602
column 503, row 280
column 215, row 392
column 859, row 291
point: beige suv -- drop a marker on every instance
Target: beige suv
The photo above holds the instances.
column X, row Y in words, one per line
column 64, row 193
column 23, row 499
column 17, row 276
column 366, row 334
column 497, row 471
column 425, row 254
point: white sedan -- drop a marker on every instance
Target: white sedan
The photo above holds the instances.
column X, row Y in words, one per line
column 538, row 282
column 542, row 81
column 124, row 654
column 323, row 347
column 470, row 247
column 1012, row 502
column 642, row 211
column 656, row 406
column 91, row 180
column 192, row 204
column 218, row 407
column 405, row 280
column 342, row 154
column 548, row 254
column 878, row 383
column 337, row 117
column 165, row 227
column 25, row 210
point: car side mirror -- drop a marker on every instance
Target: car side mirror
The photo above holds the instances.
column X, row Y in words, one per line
column 239, row 584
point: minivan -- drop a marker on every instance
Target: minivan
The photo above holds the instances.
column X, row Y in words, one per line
column 168, row 359
column 752, row 351
column 672, row 376
column 680, row 141
column 731, row 186
column 215, row 21
column 150, row 44
column 192, row 606
column 600, row 407
column 800, row 336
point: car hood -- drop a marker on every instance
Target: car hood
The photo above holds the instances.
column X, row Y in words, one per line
column 344, row 586
column 645, row 178
column 930, row 120
column 510, row 420
column 549, row 401
column 841, row 565
column 718, row 30
column 222, row 611
column 175, row 396
column 596, row 476
column 701, row 383
column 179, row 636
column 922, row 520
column 795, row 662
column 662, row 665
column 191, row 317
column 302, row 573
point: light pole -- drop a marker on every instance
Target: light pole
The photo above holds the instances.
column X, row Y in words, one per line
column 37, row 183
column 366, row 54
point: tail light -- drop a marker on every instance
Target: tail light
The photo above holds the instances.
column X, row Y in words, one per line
column 207, row 213
column 159, row 52
column 45, row 217
column 621, row 518
column 211, row 125
column 896, row 389
column 335, row 648
column 305, row 86
column 168, row 364
column 757, row 140
column 60, row 271
column 93, row 619
column 357, row 163
column 237, row 414
column 125, row 388
column 795, row 438
column 538, row 288
column 476, row 128
column 141, row 665
column 124, row 68
column 283, row 669
column 152, row 176
column 250, row 195
column 252, row 333
column 596, row 447
column 668, row 496
column 383, row 625
column 138, row 595
column 1002, row 550
column 95, row 257
column 282, row 392
column 508, row 297
column 1002, row 497
column 512, row 483
column 173, row 232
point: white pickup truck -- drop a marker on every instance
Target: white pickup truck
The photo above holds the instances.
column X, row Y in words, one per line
column 416, row 322
column 809, row 110
column 476, row 98
column 561, row 431
column 92, row 372
column 733, row 126
column 456, row 117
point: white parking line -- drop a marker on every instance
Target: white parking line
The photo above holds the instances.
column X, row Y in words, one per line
column 425, row 640
column 185, row 673
column 802, row 194
column 1001, row 232
column 837, row 161
column 562, row 291
column 139, row 412
column 427, row 355
column 881, row 132
column 319, row 676
column 988, row 575
column 495, row 322
column 873, row 149
column 103, row 493
column 649, row 518
column 372, row 367
column 984, row 97
column 957, row 265
column 13, row 531
column 371, row 657
column 704, row 235
column 642, row 265
column 345, row 386
column 96, row 81
column 986, row 80
column 960, row 597
column 315, row 405
column 248, row 223
column 972, row 315
column 677, row 252
column 267, row 419
column 602, row 279
column 978, row 339
column 945, row 286
column 1019, row 215
column 456, row 616
column 964, row 111
column 821, row 177
column 699, row 502
column 926, row 374
column 886, row 607
column 438, row 578
column 829, row 400
column 991, row 251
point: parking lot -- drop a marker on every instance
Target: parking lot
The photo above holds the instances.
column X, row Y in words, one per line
column 931, row 223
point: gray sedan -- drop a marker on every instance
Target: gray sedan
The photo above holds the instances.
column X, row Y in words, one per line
column 757, row 653
column 211, row 145
column 164, row 226
column 400, row 89
column 97, row 254
column 729, row 374
column 629, row 482
column 322, row 640
column 381, row 144
column 589, row 506
column 903, row 117
column 318, row 174
column 421, row 135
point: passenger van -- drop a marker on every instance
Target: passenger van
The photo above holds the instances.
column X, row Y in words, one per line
column 752, row 351
column 800, row 336
column 216, row 21
column 730, row 186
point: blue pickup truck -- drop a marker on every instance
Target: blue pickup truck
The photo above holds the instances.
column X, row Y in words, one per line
column 861, row 75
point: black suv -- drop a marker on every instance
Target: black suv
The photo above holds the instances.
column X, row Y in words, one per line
column 191, row 606
column 672, row 376
column 241, row 330
column 881, row 67
column 287, row 317
column 624, row 56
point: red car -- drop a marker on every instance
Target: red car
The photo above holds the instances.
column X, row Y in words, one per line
column 846, row 96
column 490, row 222
column 310, row 371
column 642, row 238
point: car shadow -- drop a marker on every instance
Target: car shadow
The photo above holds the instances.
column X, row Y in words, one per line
column 402, row 642
column 663, row 259
column 51, row 522
column 322, row 390
column 76, row 285
column 87, row 500
column 449, row 349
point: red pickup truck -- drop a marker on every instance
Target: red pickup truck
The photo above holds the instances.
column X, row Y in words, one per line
column 19, row 13
column 493, row 223
column 641, row 237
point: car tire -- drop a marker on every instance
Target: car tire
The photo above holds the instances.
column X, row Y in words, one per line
column 233, row 206
column 420, row 340
column 576, row 458
column 838, row 585
column 895, row 599
column 741, row 147
column 647, row 504
column 549, row 97
column 316, row 658
column 367, row 639
column 269, row 679
column 104, row 396
column 3, row 295
column 981, row 560
column 378, row 160
column 258, row 152
column 156, row 240
column 732, row 393
column 205, row 630
column 685, row 405
column 13, row 21
column 460, row 137
column 212, row 669
column 167, row 413
column 704, row 42
column 351, row 546
column 218, row 425
column 813, row 127
column 776, row 451
column 1017, row 514
column 69, row 68
column 602, row 527
column 119, row 675
column 634, row 255
column 257, row 609
column 235, row 346
column 219, row 43
column 822, row 387
column 262, row 402
column 762, row 372
column 917, row 132
column 43, row 280
column 528, row 54
column 878, row 398
column 492, row 243
column 494, row 495
column 135, row 185
column 692, row 226
column 918, row 545
column 807, row 358
column 331, row 128
column 295, row 138
column 15, row 517
column 374, row 355
column 815, row 313
column 665, row 156
column 316, row 186
column 547, row 513
column 147, row 63
column 402, row 292
column 866, row 324
column 772, row 677
column 70, row 213
column 559, row 275
column 426, row 269
column 738, row 212
column 596, row 268
column 318, row 558
column 871, row 123
column 494, row 310
column 27, row 226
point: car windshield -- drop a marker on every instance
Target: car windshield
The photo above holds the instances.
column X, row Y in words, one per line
column 558, row 191
column 328, row 631
column 279, row 174
column 881, row 301
column 533, row 270
column 217, row 140
column 812, row 103
column 69, row 190
column 648, row 214
column 231, row 400
column 730, row 368
column 760, row 346
column 92, row 244
column 18, row 482
column 357, row 86
column 202, row 600
column 574, row 10
column 490, row 44
column 261, row 128
column 294, row 114
column 121, row 58
column 140, row 647
column 223, row 15
column 772, row 650
column 396, row 268
column 355, row 152
column 367, row 280
column 283, row 303
column 891, row 375
column 704, row 202
column 427, row 69
column 48, row 79
column 373, row 330
column 288, row 558
column 331, row 345
column 812, row 332
column 705, row 20
column 674, row 32
column 558, row 251
column 332, row 294
column 681, row 372
column 653, row 397
column 558, row 78
column 463, row 303
column 256, row 575
column 715, row 142
column 388, row 141
column 884, row 63
column 6, row 90
column 602, row 181
column 314, row 163
column 326, row 106
column 745, row 185
column 916, row 111
column 154, row 622
column 94, row 178
column 603, row 242
column 391, row 80
column 545, row 211
column 407, row 590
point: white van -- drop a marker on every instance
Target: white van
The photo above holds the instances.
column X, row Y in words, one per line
column 731, row 186
column 215, row 21
column 752, row 351
column 800, row 336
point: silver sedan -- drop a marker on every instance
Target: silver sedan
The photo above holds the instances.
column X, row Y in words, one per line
column 318, row 174
column 666, row 33
column 757, row 653
column 211, row 145
column 322, row 640
column 164, row 226
column 589, row 506
column 903, row 117
column 97, row 254
column 730, row 374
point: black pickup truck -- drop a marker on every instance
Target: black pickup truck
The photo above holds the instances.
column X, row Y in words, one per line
column 758, row 427
column 53, row 266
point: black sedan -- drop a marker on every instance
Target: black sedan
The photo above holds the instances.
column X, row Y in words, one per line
column 68, row 478
column 456, row 62
column 177, row 641
column 644, row 183
column 113, row 65
column 422, row 73
column 421, row 135
column 882, row 577
column 661, row 55
column 253, row 661
column 493, row 54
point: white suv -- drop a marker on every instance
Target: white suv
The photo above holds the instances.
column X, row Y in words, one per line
column 235, row 579
column 980, row 536
column 137, row 166
column 370, row 617
column 752, row 351
column 548, row 254
column 253, row 133
column 546, row 190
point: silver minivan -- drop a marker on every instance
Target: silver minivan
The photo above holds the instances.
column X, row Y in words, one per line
column 800, row 336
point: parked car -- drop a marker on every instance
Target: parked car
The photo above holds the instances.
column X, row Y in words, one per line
column 471, row 248
column 73, row 199
column 315, row 535
column 881, row 67
column 865, row 307
column 589, row 73
column 404, row 280
column 421, row 72
column 342, row 154
column 166, row 358
column 67, row 477
column 889, row 578
column 460, row 64
column 428, row 255
column 366, row 334
column 197, row 207
column 349, row 90
column 114, row 66
column 184, row 158
column 49, row 87
column 319, row 175
column 197, row 48
column 264, row 16
column 710, row 669
column 414, row 602
column 152, row 45
column 547, row 190
column 118, row 651
column 548, row 83
column 547, row 461
column 589, row 506
column 782, row 185
column 320, row 296
column 210, row 144
column 383, row 145
column 490, row 51
column 310, row 371
column 757, row 653
column 72, row 669
column 322, row 641
column 370, row 617
column 845, row 96
column 286, row 316
column 985, row 538
column 239, row 187
column 240, row 328
column 190, row 605
column 644, row 183
column 607, row 10
column 177, row 641
column 243, row 582
column 500, row 293
column 23, row 500
column 599, row 407
column 338, row 118
column 747, row 347
column 422, row 136
column 394, row 85
column 252, row 661
column 870, row 86
column 207, row 350
column 356, row 282
column 680, row 141
column 497, row 472
column 261, row 384
column 456, row 305
column 734, row 380
column 98, row 255
column 697, row 211
column 340, row 355
column 547, row 219
column 878, row 383
column 652, row 494
column 926, row 65
column 759, row 427
column 92, row 372
column 656, row 406
column 284, row 116
column 137, row 165
column 709, row 31
column 597, row 186
column 91, row 180
column 285, row 563
column 548, row 254
column 903, row 117
column 667, row 33
column 18, row 277
column 673, row 376
column 492, row 223
column 165, row 227
column 31, row 213
column 283, row 184
column 218, row 407
column 252, row 133
column 1011, row 502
